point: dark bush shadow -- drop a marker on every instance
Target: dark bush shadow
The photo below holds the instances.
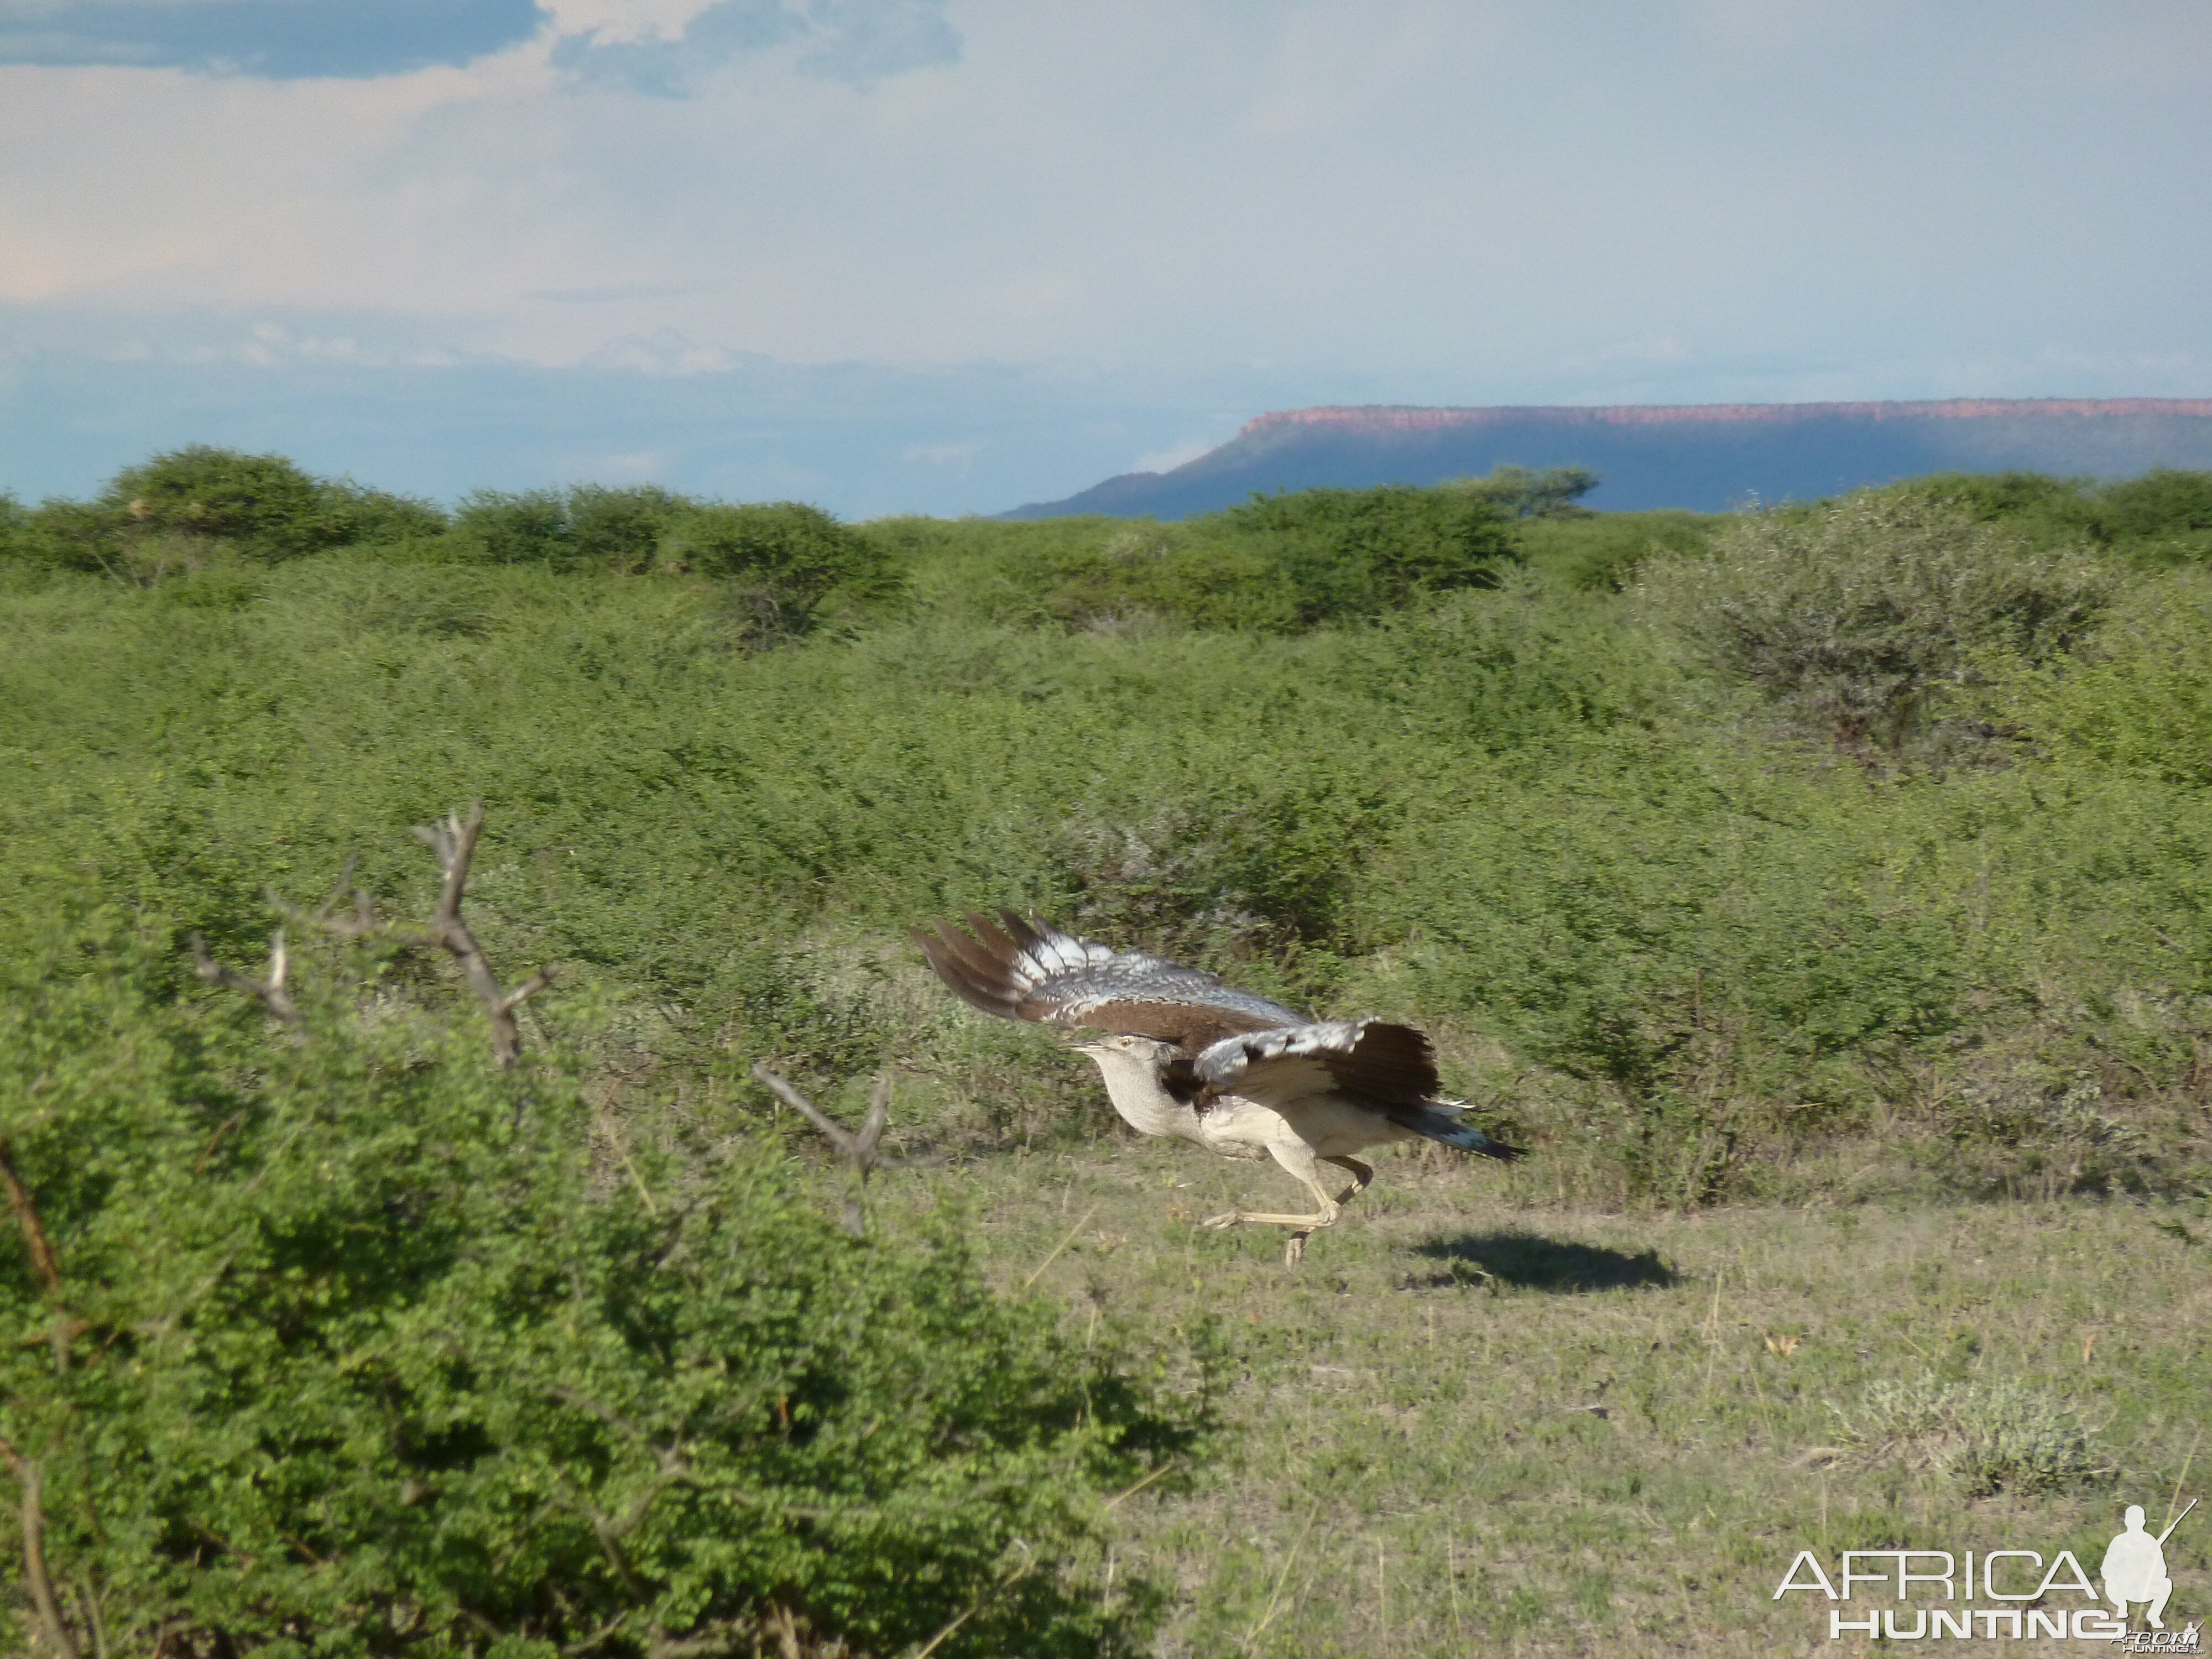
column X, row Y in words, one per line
column 1531, row 1261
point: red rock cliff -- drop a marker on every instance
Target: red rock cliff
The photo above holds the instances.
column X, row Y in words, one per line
column 1386, row 417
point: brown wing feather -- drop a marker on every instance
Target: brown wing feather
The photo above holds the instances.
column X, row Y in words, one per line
column 949, row 964
column 1389, row 1062
column 1369, row 1059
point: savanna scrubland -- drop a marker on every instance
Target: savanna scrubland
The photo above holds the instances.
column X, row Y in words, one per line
column 1819, row 892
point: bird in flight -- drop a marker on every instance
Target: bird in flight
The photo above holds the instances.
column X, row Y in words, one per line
column 1184, row 1054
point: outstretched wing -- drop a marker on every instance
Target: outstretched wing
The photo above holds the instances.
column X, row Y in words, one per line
column 1372, row 1061
column 1022, row 969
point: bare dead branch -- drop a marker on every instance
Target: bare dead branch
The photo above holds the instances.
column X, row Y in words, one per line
column 529, row 987
column 860, row 1151
column 27, row 1217
column 67, row 1328
column 33, row 1523
column 873, row 1126
column 455, row 842
column 270, row 993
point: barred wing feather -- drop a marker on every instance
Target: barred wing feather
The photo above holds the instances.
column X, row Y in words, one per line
column 1369, row 1059
column 1017, row 969
column 1389, row 1068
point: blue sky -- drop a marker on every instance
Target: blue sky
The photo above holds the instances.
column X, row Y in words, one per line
column 947, row 256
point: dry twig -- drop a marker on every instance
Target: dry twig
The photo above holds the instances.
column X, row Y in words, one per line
column 860, row 1151
column 455, row 842
column 27, row 1217
column 33, row 1525
column 270, row 993
column 67, row 1328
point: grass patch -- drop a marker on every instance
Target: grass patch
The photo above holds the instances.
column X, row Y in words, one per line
column 1991, row 1437
column 1595, row 1438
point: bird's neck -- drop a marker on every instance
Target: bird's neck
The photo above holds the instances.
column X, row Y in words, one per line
column 1133, row 1086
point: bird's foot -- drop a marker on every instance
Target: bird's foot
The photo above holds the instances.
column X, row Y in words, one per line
column 1229, row 1219
column 1294, row 1251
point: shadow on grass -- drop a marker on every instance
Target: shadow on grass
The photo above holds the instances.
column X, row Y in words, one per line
column 1531, row 1261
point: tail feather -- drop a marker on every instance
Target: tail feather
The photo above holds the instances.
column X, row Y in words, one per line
column 1451, row 1129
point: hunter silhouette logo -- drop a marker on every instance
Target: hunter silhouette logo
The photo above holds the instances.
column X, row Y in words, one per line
column 2023, row 1589
column 2135, row 1567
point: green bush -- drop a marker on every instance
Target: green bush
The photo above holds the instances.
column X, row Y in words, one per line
column 2165, row 516
column 587, row 527
column 358, row 516
column 531, row 527
column 781, row 560
column 1280, row 565
column 1602, row 551
column 1520, row 817
column 1519, row 493
column 1200, row 581
column 340, row 1343
column 2138, row 698
column 22, row 554
column 2044, row 510
column 1347, row 555
column 1862, row 613
column 2167, row 510
column 620, row 529
column 264, row 504
column 192, row 509
column 66, row 535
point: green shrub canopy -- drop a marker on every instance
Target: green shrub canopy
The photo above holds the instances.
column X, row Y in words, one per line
column 263, row 502
column 341, row 1346
column 1347, row 554
column 783, row 558
column 2162, row 505
column 588, row 527
column 1863, row 611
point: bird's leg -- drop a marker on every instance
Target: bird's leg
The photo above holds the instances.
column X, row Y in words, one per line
column 1299, row 1161
column 1319, row 1219
column 1294, row 1251
column 1324, row 1217
column 1361, row 1174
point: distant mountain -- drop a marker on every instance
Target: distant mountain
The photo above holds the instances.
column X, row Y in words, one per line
column 1705, row 456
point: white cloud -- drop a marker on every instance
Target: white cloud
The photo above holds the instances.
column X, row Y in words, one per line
column 665, row 351
column 623, row 20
